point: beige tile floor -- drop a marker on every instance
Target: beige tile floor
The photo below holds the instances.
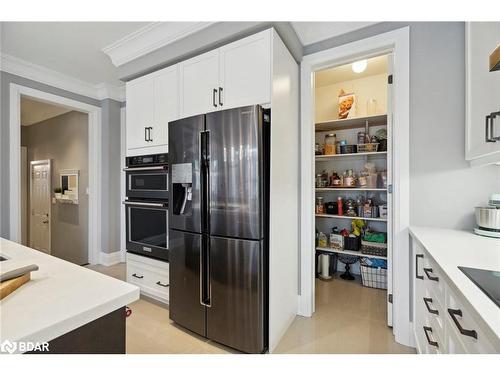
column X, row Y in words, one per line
column 349, row 318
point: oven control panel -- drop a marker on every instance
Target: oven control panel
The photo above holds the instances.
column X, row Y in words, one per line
column 147, row 160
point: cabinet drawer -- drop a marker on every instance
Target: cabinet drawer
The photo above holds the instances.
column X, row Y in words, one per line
column 464, row 324
column 433, row 280
column 152, row 279
column 431, row 341
column 434, row 312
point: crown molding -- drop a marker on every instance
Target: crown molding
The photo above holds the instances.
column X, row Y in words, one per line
column 150, row 38
column 26, row 69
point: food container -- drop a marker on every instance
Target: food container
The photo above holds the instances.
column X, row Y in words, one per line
column 320, row 208
column 371, row 180
column 352, row 243
column 382, row 210
column 330, row 144
column 368, row 147
column 331, row 208
column 348, row 149
column 336, row 241
column 488, row 218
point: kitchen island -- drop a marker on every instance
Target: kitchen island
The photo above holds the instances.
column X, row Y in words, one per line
column 74, row 309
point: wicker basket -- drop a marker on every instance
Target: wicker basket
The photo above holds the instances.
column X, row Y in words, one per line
column 367, row 147
column 373, row 277
column 373, row 248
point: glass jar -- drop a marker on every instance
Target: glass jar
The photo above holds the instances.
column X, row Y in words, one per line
column 330, row 144
column 320, row 207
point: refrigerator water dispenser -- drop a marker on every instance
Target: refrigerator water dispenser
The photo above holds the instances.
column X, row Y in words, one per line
column 182, row 185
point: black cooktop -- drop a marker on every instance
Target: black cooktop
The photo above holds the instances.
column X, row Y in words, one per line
column 488, row 281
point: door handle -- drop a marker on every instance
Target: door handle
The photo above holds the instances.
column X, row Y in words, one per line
column 213, row 97
column 489, row 137
column 416, row 266
column 149, row 134
column 432, row 311
column 137, row 277
column 466, row 332
column 428, row 271
column 431, row 342
column 220, row 97
column 145, row 134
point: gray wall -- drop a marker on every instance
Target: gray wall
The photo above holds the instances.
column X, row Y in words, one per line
column 110, row 153
column 64, row 140
column 443, row 188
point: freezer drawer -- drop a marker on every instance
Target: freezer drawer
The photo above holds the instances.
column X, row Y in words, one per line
column 185, row 307
column 236, row 172
column 237, row 314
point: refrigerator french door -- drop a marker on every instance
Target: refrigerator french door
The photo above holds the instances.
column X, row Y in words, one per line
column 218, row 226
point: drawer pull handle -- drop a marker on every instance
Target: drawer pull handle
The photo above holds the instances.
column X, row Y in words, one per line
column 416, row 266
column 432, row 343
column 137, row 277
column 466, row 332
column 432, row 311
column 428, row 271
column 161, row 284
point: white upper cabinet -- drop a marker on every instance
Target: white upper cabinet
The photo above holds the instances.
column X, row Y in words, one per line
column 199, row 80
column 483, row 94
column 152, row 101
column 140, row 112
column 245, row 71
column 232, row 76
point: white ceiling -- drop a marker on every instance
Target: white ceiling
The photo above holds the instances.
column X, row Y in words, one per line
column 33, row 111
column 312, row 32
column 71, row 48
column 375, row 65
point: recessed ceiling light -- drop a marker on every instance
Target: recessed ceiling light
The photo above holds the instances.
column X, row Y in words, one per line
column 359, row 66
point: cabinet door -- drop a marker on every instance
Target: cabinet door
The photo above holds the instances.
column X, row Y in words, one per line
column 140, row 111
column 483, row 90
column 166, row 104
column 199, row 79
column 245, row 71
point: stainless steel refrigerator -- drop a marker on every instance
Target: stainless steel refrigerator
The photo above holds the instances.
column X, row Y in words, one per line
column 218, row 234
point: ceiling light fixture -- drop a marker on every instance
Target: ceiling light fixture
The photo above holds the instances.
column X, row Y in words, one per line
column 359, row 66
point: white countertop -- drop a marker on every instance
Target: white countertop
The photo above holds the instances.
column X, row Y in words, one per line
column 452, row 248
column 59, row 298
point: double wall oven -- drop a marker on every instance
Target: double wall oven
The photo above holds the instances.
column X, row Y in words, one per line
column 146, row 206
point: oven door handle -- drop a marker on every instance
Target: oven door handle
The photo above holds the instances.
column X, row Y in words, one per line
column 146, row 204
column 157, row 168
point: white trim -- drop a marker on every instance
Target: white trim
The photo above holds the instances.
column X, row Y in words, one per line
column 397, row 42
column 110, row 259
column 26, row 69
column 150, row 38
column 95, row 161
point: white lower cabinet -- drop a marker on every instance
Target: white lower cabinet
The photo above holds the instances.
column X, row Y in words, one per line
column 442, row 320
column 151, row 275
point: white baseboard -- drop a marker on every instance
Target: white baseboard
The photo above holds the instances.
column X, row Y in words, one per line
column 109, row 259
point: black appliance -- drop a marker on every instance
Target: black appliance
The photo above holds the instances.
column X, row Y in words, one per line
column 486, row 280
column 218, row 234
column 147, row 176
column 146, row 206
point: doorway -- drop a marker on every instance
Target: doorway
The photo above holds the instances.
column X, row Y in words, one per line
column 91, row 190
column 39, row 205
column 395, row 43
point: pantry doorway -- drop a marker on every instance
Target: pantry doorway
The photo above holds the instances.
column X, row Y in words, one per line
column 355, row 175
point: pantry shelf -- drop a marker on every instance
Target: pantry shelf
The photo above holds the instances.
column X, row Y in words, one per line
column 327, row 157
column 349, row 252
column 350, row 189
column 351, row 123
column 350, row 217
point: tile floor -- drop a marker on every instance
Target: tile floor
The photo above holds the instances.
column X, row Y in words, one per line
column 349, row 318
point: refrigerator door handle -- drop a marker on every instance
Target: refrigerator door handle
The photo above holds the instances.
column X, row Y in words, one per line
column 205, row 287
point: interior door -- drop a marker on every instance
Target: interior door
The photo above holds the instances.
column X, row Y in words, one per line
column 236, row 172
column 245, row 71
column 390, row 197
column 185, row 306
column 40, row 205
column 237, row 313
column 140, row 111
column 199, row 80
column 166, row 104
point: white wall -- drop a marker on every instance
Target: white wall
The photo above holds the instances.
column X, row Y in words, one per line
column 372, row 87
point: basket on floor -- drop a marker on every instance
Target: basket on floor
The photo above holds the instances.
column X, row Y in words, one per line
column 373, row 277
